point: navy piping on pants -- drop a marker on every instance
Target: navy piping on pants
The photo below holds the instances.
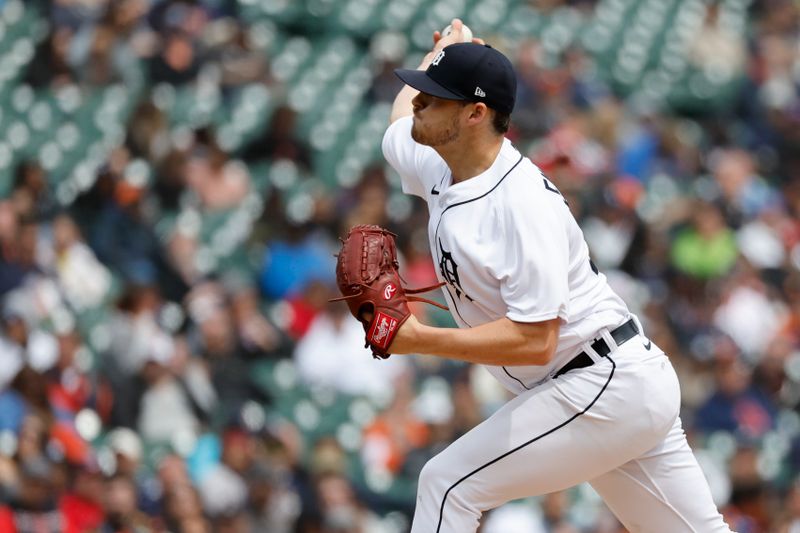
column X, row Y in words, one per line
column 516, row 378
column 493, row 461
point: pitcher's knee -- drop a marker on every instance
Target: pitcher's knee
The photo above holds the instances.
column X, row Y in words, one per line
column 434, row 475
column 440, row 481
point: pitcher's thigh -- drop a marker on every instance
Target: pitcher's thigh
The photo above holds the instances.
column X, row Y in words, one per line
column 663, row 491
column 538, row 443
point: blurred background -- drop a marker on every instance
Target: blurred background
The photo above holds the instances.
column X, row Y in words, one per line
column 174, row 175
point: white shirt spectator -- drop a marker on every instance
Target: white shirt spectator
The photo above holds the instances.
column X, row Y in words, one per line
column 11, row 361
column 750, row 319
column 165, row 413
column 331, row 354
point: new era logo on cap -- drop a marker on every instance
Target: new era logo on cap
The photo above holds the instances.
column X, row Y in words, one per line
column 470, row 72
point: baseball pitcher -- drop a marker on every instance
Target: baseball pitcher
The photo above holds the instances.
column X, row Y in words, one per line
column 595, row 400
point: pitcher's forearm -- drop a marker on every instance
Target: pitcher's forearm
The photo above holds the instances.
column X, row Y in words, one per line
column 502, row 342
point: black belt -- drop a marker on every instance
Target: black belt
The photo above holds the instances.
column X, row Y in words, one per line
column 622, row 334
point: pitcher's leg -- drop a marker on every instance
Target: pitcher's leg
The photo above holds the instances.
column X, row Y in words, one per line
column 663, row 491
column 562, row 433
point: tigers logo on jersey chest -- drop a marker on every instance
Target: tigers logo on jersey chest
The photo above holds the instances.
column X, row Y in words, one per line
column 449, row 271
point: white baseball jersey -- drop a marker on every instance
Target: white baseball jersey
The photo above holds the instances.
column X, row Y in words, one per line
column 507, row 245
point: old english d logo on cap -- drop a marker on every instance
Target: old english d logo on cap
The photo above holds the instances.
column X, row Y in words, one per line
column 469, row 72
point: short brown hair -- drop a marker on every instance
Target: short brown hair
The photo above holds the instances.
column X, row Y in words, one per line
column 501, row 121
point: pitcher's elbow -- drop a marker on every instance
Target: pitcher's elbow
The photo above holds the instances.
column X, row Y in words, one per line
column 546, row 348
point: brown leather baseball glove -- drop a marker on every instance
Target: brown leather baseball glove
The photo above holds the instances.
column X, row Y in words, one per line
column 366, row 271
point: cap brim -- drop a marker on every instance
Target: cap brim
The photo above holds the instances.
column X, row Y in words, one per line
column 419, row 80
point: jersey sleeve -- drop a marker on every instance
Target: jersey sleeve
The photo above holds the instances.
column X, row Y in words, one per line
column 534, row 259
column 414, row 162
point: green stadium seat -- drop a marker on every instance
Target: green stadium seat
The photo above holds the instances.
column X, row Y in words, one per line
column 398, row 14
column 291, row 58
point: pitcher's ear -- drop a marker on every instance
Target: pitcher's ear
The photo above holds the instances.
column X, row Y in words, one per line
column 478, row 112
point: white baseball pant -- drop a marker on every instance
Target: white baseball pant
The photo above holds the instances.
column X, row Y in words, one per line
column 614, row 424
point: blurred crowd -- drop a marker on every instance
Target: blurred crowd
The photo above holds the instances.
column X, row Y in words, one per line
column 138, row 370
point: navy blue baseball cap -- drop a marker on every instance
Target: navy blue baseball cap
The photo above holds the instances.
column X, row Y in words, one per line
column 469, row 72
